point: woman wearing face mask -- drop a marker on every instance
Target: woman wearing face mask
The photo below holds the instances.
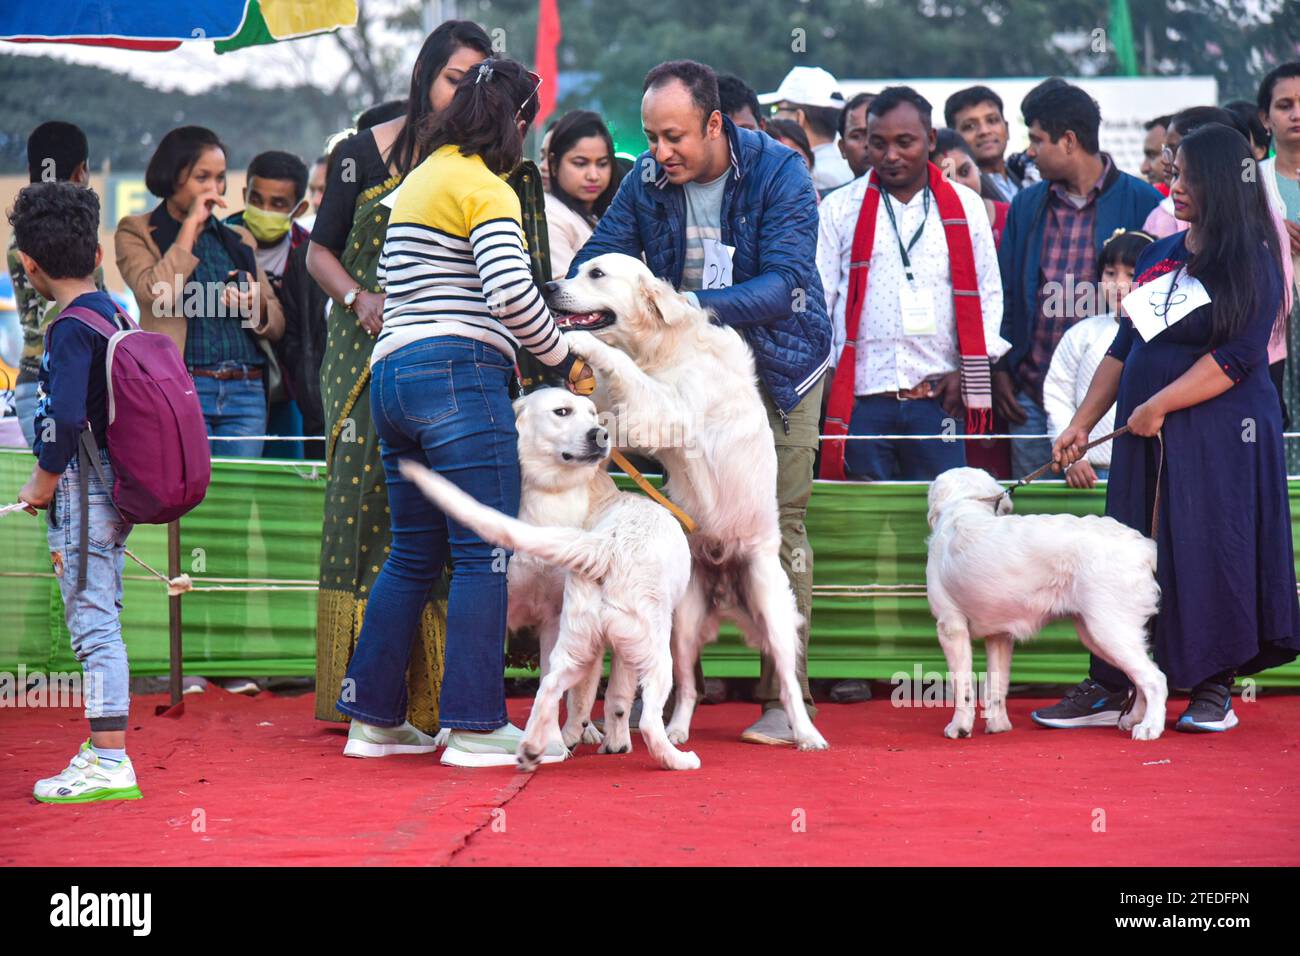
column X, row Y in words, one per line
column 1199, row 378
column 583, row 178
column 343, row 258
column 223, row 315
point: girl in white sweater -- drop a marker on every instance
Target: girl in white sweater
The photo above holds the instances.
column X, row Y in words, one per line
column 583, row 176
column 1081, row 350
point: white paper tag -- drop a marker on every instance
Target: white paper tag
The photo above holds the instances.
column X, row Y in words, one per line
column 1163, row 302
column 717, row 264
column 917, row 306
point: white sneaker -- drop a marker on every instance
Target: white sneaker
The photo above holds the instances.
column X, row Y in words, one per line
column 86, row 780
column 367, row 740
column 495, row 748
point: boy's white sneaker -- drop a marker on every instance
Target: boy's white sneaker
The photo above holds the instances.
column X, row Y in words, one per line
column 367, row 740
column 468, row 748
column 86, row 780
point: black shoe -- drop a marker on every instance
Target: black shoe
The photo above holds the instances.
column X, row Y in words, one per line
column 1086, row 705
column 1210, row 709
column 850, row 691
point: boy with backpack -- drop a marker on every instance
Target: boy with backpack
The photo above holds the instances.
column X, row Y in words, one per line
column 82, row 416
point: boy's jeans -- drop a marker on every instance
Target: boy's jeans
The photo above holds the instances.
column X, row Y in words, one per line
column 443, row 402
column 93, row 614
column 1028, row 454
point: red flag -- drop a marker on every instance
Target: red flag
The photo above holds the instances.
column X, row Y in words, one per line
column 544, row 61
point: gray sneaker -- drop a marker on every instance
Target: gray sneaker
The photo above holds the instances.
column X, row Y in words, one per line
column 367, row 740
column 773, row 729
column 467, row 748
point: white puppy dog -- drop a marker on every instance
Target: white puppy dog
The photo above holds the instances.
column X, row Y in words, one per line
column 625, row 568
column 1002, row 577
column 684, row 390
column 562, row 453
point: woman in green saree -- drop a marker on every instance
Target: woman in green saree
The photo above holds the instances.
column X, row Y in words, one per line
column 347, row 239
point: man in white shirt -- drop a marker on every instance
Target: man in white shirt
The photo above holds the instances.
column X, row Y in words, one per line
column 907, row 377
column 811, row 97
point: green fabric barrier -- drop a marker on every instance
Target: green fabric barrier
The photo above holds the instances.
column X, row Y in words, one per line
column 261, row 521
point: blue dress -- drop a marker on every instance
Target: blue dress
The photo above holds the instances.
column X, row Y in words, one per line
column 1225, row 563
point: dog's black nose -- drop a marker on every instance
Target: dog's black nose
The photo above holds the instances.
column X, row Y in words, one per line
column 550, row 288
column 599, row 437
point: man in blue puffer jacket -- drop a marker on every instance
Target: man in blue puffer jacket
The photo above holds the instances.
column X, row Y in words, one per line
column 729, row 217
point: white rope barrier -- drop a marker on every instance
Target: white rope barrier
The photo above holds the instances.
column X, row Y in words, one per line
column 823, row 437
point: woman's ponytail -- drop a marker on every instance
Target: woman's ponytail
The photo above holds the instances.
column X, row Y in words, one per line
column 484, row 114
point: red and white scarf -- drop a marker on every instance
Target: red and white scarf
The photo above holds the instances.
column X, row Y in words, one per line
column 976, row 382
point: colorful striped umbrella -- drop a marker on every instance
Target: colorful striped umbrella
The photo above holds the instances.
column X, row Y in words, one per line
column 162, row 25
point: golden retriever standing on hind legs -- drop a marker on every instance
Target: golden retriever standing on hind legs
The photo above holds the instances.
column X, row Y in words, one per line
column 686, row 392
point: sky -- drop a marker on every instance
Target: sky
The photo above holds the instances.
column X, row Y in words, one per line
column 195, row 66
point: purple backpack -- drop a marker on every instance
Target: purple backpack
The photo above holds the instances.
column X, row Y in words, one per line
column 156, row 435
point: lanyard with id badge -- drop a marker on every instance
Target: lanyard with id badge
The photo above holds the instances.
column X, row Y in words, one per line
column 916, row 305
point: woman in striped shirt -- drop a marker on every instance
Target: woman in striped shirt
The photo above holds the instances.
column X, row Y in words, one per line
column 460, row 299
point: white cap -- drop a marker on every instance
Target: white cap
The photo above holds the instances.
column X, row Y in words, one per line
column 807, row 86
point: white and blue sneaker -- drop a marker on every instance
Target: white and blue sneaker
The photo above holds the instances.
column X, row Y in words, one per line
column 1087, row 704
column 1210, row 709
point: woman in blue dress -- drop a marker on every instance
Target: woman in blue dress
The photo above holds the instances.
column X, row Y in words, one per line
column 1223, row 528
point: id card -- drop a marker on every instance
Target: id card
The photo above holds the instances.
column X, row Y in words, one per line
column 917, row 306
column 1163, row 302
column 717, row 264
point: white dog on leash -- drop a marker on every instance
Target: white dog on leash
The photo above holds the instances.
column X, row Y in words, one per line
column 690, row 394
column 1002, row 577
column 625, row 565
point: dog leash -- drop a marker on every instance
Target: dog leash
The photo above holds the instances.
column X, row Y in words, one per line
column 688, row 525
column 1042, row 470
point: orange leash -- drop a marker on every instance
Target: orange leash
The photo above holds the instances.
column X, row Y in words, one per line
column 688, row 525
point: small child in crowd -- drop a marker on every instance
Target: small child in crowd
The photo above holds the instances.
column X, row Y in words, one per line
column 56, row 229
column 1081, row 350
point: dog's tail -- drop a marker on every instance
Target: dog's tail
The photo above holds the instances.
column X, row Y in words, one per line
column 571, row 548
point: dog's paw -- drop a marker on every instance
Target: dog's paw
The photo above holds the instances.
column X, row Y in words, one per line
column 611, row 746
column 998, row 724
column 682, row 760
column 957, row 728
column 1145, row 731
column 812, row 741
column 526, row 759
column 582, row 343
column 575, row 734
column 678, row 735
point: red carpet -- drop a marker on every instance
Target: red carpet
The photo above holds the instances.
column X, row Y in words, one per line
column 269, row 786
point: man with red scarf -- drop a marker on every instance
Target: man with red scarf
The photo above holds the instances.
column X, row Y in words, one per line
column 912, row 284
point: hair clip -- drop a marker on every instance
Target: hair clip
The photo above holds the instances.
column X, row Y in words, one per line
column 484, row 71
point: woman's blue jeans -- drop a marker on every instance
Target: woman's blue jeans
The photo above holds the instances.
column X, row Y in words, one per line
column 443, row 402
